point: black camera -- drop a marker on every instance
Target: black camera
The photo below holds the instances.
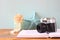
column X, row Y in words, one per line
column 46, row 25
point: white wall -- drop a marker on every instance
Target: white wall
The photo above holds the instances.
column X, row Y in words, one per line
column 45, row 8
column 7, row 11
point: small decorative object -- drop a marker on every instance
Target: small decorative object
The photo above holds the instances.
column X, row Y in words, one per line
column 17, row 23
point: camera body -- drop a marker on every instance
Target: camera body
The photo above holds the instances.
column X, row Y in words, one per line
column 46, row 25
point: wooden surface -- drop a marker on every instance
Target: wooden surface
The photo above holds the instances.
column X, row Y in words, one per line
column 5, row 35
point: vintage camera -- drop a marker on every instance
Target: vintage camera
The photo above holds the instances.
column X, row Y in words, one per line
column 46, row 25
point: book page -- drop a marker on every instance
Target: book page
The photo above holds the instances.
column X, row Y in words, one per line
column 31, row 33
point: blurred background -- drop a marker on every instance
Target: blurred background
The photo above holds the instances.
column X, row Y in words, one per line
column 29, row 9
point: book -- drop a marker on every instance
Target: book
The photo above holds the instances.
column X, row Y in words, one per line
column 36, row 34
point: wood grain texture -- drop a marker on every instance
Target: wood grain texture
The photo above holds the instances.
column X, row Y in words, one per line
column 5, row 35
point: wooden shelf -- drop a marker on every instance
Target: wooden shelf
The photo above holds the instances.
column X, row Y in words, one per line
column 5, row 32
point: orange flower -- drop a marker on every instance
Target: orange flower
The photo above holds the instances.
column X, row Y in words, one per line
column 18, row 18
